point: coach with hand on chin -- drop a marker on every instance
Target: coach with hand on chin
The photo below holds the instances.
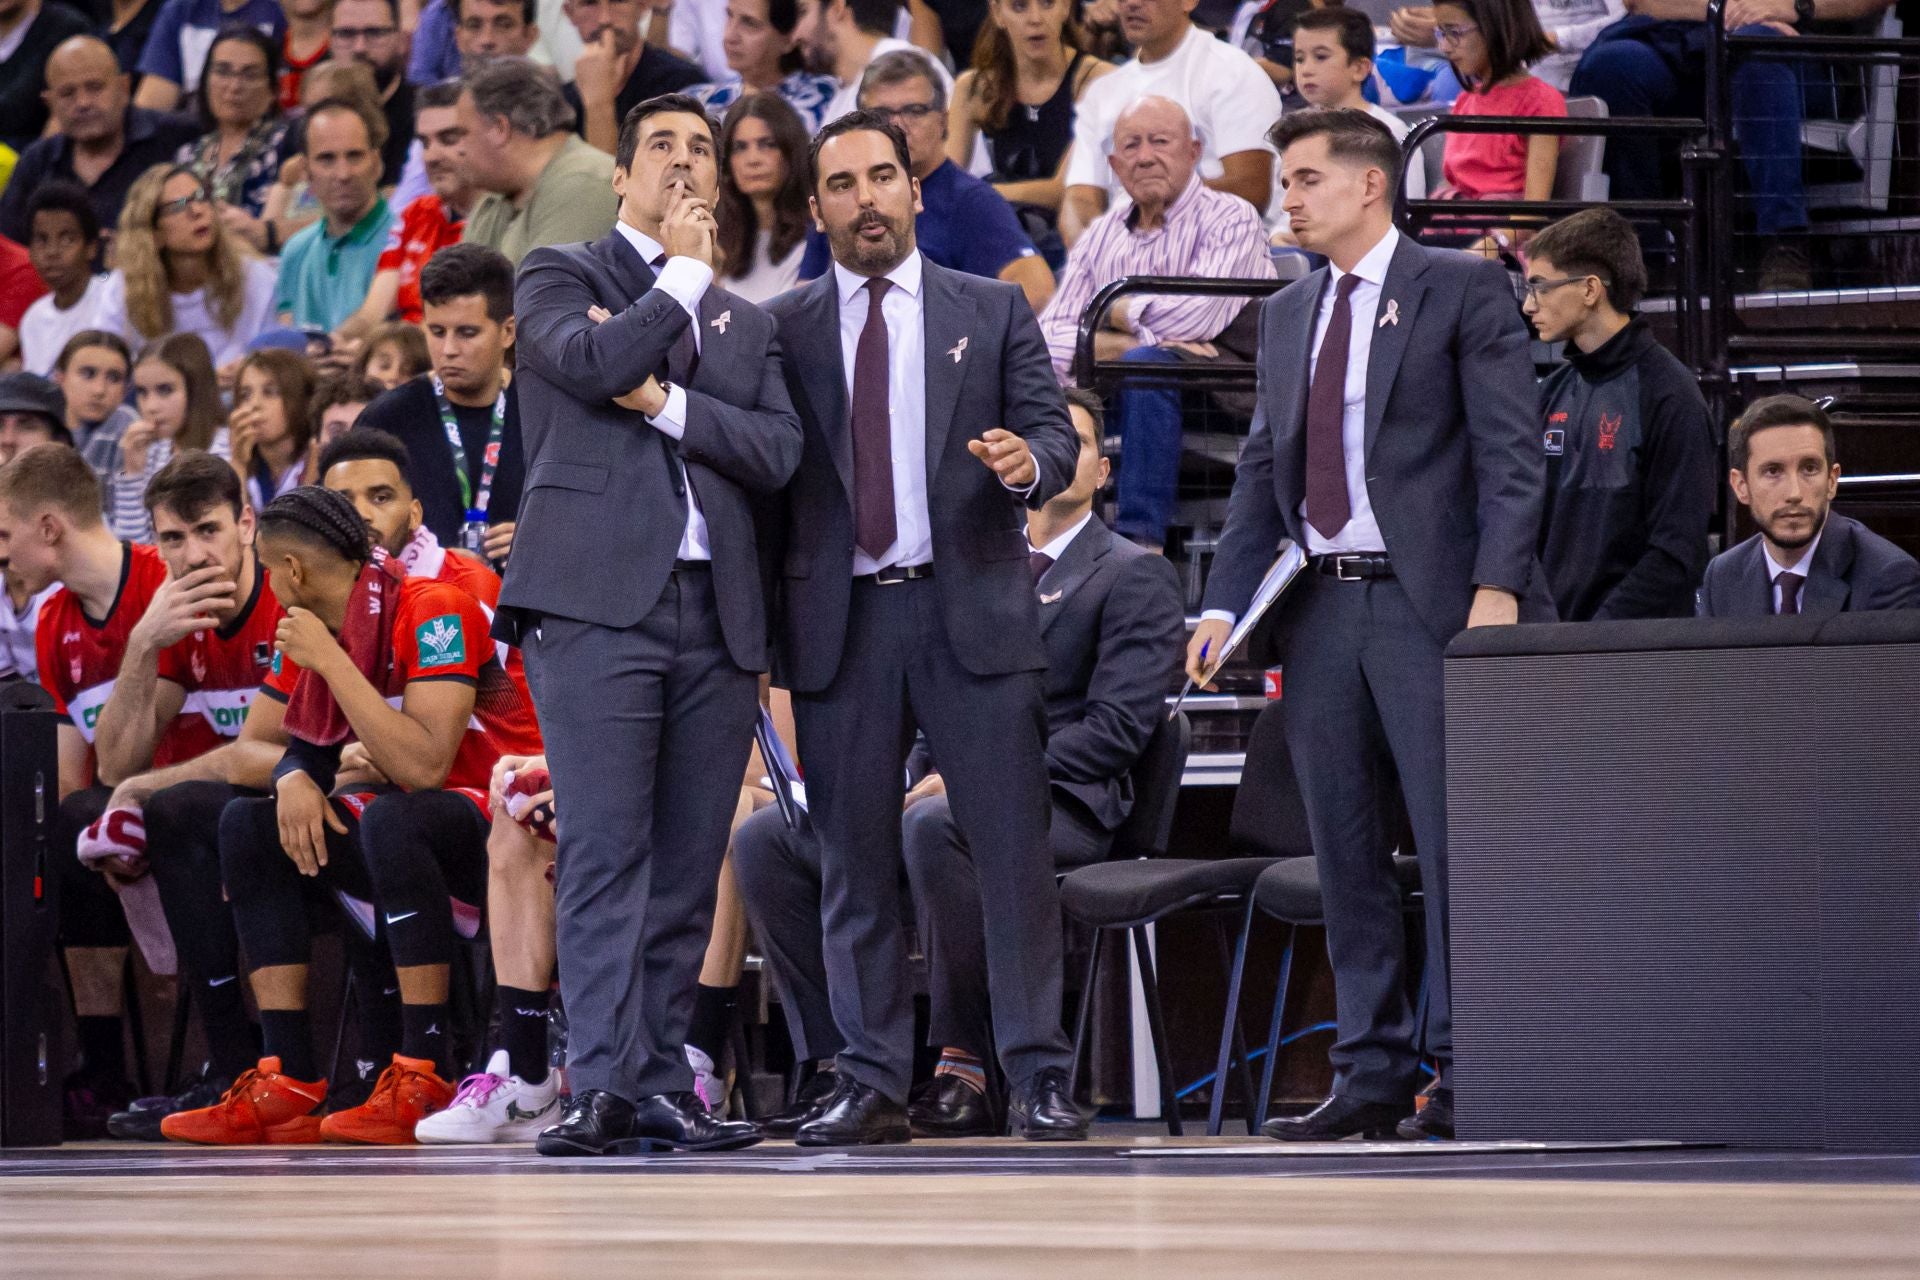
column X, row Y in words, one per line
column 634, row 593
column 1396, row 440
column 931, row 417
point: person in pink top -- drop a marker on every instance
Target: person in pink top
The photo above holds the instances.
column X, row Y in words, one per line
column 1491, row 43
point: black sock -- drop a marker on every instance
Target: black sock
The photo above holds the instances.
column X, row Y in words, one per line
column 523, row 1030
column 289, row 1037
column 231, row 1041
column 102, row 1051
column 713, row 1010
column 423, row 1034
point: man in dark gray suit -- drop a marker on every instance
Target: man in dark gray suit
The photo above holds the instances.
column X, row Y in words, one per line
column 634, row 590
column 1806, row 558
column 1397, row 441
column 931, row 414
column 1111, row 621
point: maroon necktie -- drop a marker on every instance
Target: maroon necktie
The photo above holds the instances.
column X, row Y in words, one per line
column 1328, row 505
column 684, row 356
column 873, row 517
column 1790, row 584
column 1039, row 562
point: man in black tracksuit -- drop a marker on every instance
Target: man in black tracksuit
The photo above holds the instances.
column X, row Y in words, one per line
column 1632, row 459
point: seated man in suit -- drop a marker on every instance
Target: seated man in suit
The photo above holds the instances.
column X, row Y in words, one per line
column 1111, row 619
column 1806, row 559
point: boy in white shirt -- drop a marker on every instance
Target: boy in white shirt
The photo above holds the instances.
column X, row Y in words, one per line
column 63, row 237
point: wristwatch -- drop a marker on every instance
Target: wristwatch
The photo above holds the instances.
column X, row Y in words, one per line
column 1802, row 12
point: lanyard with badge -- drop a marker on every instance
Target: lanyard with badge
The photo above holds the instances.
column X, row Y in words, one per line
column 473, row 529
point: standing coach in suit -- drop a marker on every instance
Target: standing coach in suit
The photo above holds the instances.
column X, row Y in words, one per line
column 634, row 591
column 1397, row 441
column 931, row 414
column 1806, row 557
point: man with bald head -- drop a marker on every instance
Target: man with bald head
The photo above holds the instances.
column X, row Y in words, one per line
column 102, row 143
column 1171, row 223
column 29, row 32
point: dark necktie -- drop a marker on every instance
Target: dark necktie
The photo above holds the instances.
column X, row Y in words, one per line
column 1328, row 505
column 1039, row 562
column 1790, row 584
column 684, row 356
column 873, row 515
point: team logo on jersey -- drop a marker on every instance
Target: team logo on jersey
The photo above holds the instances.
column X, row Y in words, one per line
column 198, row 662
column 1556, row 441
column 442, row 643
column 1609, row 430
column 73, row 668
column 263, row 655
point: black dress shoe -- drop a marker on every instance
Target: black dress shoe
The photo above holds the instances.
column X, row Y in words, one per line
column 1338, row 1118
column 681, row 1122
column 809, row 1100
column 594, row 1123
column 1435, row 1120
column 948, row 1107
column 1044, row 1110
column 856, row 1116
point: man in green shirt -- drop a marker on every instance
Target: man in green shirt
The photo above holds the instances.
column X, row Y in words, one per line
column 545, row 186
column 327, row 266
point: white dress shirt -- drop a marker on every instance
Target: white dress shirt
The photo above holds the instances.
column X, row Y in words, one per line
column 685, row 280
column 1361, row 532
column 1057, row 547
column 904, row 308
column 1803, row 566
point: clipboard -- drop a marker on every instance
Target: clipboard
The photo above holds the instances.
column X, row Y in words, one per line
column 783, row 775
column 1280, row 575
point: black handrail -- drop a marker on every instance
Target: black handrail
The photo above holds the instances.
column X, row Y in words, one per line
column 1086, row 368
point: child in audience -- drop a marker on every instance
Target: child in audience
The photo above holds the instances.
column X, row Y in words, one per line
column 63, row 237
column 177, row 396
column 1491, row 44
column 270, row 423
column 91, row 372
column 394, row 353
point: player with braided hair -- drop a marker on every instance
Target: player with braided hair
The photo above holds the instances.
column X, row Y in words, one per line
column 394, row 707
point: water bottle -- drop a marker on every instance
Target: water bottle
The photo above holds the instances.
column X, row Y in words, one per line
column 473, row 533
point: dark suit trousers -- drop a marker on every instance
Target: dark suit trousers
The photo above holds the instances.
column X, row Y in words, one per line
column 948, row 909
column 647, row 730
column 1364, row 685
column 778, row 871
column 899, row 671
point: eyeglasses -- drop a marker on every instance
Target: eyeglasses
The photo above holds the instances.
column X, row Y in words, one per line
column 1452, row 35
column 1534, row 288
column 900, row 115
column 181, row 205
column 244, row 75
column 356, row 35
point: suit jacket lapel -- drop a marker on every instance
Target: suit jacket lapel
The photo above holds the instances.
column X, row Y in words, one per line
column 813, row 347
column 1070, row 572
column 1390, row 340
column 632, row 275
column 1827, row 587
column 1290, row 430
column 1757, row 577
column 948, row 316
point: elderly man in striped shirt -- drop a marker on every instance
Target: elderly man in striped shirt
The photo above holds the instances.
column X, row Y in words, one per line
column 1172, row 224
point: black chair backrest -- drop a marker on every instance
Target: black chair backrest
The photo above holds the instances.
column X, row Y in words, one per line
column 1156, row 788
column 1269, row 819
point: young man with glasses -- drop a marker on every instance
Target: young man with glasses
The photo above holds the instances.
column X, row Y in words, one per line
column 1629, row 445
column 961, row 223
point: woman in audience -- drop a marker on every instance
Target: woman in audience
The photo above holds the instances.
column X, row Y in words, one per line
column 393, row 353
column 91, row 372
column 181, row 271
column 763, row 197
column 1029, row 69
column 270, row 426
column 240, row 154
column 765, row 58
column 1491, row 44
column 178, row 398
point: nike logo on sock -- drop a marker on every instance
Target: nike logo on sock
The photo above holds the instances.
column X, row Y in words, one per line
column 404, row 915
column 220, row 982
column 530, row 1013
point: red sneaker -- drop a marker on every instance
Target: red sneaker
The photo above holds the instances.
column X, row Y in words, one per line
column 263, row 1107
column 407, row 1092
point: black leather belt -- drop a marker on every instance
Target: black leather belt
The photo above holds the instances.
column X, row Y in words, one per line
column 693, row 566
column 1358, row 567
column 897, row 573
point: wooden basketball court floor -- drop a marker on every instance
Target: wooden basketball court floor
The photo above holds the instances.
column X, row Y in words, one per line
column 985, row 1209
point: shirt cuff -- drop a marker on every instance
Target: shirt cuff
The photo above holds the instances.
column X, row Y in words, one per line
column 1219, row 615
column 685, row 280
column 1025, row 490
column 672, row 418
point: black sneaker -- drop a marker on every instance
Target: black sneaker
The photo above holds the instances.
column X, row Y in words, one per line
column 91, row 1100
column 140, row 1122
column 354, row 1086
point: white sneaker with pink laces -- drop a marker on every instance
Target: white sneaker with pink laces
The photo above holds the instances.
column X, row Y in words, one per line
column 707, row 1082
column 494, row 1106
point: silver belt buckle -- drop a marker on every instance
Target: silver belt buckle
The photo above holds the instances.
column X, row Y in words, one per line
column 1340, row 573
column 891, row 576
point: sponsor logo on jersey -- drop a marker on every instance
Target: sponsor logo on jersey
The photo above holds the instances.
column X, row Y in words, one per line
column 224, row 709
column 84, row 706
column 442, row 642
